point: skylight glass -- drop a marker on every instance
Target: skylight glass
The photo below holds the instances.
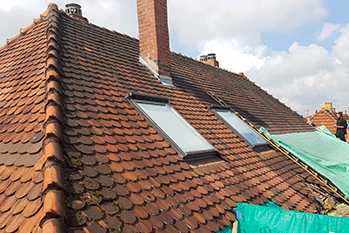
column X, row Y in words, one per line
column 176, row 128
column 240, row 127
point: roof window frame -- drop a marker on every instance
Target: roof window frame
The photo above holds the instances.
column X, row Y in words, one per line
column 135, row 98
column 216, row 108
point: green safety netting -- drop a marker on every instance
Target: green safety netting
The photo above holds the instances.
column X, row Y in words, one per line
column 273, row 219
column 321, row 151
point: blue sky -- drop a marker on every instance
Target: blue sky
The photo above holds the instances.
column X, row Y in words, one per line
column 306, row 34
column 297, row 50
column 337, row 13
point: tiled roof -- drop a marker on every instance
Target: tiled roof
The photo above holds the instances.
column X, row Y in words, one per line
column 239, row 92
column 76, row 156
column 22, row 118
column 327, row 118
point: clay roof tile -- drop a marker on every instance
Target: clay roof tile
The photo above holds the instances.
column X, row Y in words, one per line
column 66, row 129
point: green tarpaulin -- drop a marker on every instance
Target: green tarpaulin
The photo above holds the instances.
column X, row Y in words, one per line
column 269, row 219
column 321, row 151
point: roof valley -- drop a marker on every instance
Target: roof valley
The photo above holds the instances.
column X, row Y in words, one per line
column 52, row 162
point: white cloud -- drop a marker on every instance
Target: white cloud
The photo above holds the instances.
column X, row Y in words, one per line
column 114, row 15
column 341, row 48
column 303, row 77
column 191, row 21
column 194, row 21
column 8, row 5
column 327, row 30
column 234, row 55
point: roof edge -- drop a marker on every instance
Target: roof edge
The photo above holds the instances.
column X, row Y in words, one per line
column 52, row 162
column 220, row 69
column 325, row 111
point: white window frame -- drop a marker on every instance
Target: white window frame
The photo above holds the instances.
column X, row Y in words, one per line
column 135, row 98
column 218, row 108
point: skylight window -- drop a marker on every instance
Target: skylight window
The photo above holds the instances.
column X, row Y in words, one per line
column 238, row 126
column 171, row 125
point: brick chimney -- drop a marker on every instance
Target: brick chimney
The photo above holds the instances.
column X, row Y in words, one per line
column 74, row 11
column 210, row 59
column 328, row 106
column 154, row 45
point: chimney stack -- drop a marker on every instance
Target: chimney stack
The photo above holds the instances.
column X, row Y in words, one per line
column 210, row 59
column 74, row 10
column 154, row 45
column 328, row 106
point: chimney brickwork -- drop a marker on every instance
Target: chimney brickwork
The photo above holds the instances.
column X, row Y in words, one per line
column 210, row 59
column 154, row 45
column 328, row 106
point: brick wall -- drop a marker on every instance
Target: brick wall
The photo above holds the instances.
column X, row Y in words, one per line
column 154, row 42
column 213, row 63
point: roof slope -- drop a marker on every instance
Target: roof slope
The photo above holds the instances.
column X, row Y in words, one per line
column 121, row 165
column 22, row 117
column 63, row 84
column 240, row 93
column 327, row 118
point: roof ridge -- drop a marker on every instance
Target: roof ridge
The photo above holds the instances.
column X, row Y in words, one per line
column 199, row 62
column 315, row 114
column 326, row 112
column 113, row 31
column 241, row 74
column 332, row 114
column 52, row 162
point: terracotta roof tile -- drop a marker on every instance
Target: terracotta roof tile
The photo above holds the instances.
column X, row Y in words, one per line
column 67, row 135
column 327, row 118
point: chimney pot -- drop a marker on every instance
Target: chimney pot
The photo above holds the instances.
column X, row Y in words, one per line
column 328, row 106
column 210, row 59
column 73, row 9
column 203, row 58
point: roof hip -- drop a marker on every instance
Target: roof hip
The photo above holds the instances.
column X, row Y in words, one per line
column 52, row 162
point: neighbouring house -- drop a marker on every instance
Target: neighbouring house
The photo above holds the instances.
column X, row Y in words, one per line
column 101, row 132
column 327, row 116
